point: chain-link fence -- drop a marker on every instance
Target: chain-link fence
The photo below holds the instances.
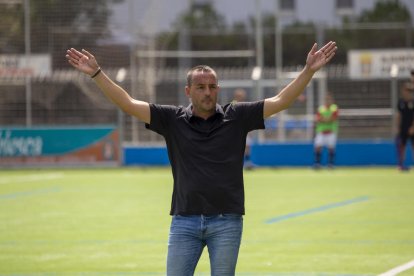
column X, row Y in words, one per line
column 39, row 88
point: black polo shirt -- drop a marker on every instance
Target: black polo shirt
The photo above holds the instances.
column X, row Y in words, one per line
column 207, row 155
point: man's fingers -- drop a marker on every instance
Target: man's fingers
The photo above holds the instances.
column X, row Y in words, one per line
column 314, row 48
column 331, row 49
column 328, row 58
column 89, row 55
column 329, row 53
column 76, row 52
column 327, row 46
column 332, row 52
column 72, row 57
column 328, row 50
column 72, row 63
column 72, row 54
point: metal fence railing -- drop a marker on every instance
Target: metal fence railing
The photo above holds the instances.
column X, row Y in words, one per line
column 67, row 97
column 39, row 88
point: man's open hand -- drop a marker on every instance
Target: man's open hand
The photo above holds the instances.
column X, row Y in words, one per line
column 318, row 58
column 83, row 61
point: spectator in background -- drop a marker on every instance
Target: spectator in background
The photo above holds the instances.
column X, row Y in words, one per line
column 239, row 96
column 412, row 76
column 326, row 131
column 405, row 123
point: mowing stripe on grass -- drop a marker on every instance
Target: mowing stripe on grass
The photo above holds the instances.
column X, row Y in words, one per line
column 30, row 178
column 398, row 269
column 29, row 193
column 317, row 209
column 77, row 242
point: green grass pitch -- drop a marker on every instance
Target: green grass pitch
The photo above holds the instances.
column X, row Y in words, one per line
column 115, row 222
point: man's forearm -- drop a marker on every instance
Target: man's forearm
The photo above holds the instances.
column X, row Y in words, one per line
column 121, row 98
column 288, row 95
column 112, row 91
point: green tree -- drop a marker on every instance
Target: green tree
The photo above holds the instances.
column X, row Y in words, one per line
column 55, row 24
column 268, row 27
column 200, row 17
column 367, row 30
column 386, row 11
column 201, row 27
column 297, row 40
column 11, row 28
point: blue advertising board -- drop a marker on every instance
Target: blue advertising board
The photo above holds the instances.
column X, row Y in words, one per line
column 59, row 145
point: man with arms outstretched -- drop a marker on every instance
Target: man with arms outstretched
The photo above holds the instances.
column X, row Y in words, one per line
column 205, row 143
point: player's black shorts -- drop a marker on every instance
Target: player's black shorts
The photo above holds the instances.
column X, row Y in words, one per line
column 403, row 139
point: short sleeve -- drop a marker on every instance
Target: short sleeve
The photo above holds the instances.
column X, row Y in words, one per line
column 250, row 114
column 161, row 119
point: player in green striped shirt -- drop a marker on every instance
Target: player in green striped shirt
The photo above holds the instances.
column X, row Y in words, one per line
column 326, row 130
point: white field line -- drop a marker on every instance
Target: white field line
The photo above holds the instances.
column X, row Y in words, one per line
column 31, row 178
column 398, row 269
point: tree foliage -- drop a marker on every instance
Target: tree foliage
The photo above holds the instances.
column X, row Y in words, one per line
column 201, row 17
column 209, row 32
column 59, row 24
column 386, row 11
column 53, row 21
column 369, row 29
column 11, row 28
column 203, row 28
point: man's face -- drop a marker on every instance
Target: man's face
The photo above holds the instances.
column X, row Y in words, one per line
column 407, row 94
column 203, row 92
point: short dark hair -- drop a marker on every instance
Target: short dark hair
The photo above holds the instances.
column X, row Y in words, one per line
column 198, row 68
column 412, row 72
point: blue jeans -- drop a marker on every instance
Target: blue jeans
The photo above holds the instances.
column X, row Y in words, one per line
column 188, row 236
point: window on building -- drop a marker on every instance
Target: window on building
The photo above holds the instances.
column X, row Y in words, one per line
column 344, row 4
column 200, row 4
column 345, row 7
column 287, row 5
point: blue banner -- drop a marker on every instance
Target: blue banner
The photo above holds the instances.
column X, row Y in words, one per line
column 58, row 145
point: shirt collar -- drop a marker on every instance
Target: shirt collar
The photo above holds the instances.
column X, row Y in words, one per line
column 189, row 111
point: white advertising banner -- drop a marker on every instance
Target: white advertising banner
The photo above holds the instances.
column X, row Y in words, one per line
column 19, row 66
column 377, row 63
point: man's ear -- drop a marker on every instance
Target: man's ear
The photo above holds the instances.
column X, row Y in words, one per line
column 187, row 90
